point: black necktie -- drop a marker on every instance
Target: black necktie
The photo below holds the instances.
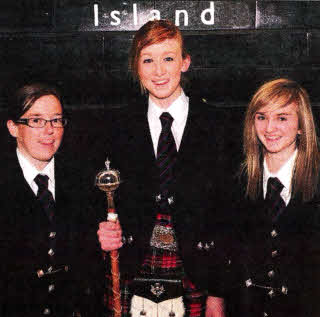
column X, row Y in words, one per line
column 44, row 195
column 166, row 157
column 273, row 198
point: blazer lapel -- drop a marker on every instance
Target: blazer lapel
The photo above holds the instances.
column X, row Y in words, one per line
column 63, row 190
column 22, row 190
column 197, row 127
column 291, row 213
column 285, row 216
column 191, row 146
column 142, row 143
column 22, row 195
column 139, row 164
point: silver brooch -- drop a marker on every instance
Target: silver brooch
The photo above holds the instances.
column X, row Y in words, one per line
column 157, row 289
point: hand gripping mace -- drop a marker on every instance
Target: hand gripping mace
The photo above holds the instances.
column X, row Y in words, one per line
column 108, row 180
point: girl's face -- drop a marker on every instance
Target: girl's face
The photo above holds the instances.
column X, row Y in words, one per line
column 277, row 129
column 159, row 68
column 39, row 145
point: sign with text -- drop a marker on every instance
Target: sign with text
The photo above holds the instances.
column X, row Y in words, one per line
column 188, row 15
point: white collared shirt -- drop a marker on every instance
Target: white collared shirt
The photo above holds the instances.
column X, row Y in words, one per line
column 178, row 110
column 30, row 172
column 284, row 174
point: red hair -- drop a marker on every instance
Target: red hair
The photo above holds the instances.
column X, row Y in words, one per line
column 151, row 33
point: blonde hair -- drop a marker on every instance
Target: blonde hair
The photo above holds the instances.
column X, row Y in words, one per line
column 277, row 94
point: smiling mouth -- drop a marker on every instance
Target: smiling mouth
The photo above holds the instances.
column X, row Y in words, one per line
column 48, row 142
column 272, row 138
column 160, row 82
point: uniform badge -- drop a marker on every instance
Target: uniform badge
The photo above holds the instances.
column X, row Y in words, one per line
column 157, row 289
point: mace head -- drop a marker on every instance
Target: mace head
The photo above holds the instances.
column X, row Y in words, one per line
column 108, row 180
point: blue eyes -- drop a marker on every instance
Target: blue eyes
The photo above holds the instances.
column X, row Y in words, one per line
column 261, row 118
column 150, row 60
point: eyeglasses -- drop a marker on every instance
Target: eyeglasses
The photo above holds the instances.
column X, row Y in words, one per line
column 40, row 122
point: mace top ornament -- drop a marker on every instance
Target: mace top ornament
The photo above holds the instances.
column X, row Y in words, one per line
column 108, row 180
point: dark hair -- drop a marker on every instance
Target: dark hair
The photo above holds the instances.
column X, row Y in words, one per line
column 26, row 96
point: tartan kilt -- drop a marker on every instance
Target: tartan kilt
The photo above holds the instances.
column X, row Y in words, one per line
column 160, row 263
column 194, row 300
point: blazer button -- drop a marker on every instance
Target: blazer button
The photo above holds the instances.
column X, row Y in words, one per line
column 51, row 288
column 265, row 314
column 271, row 293
column 274, row 233
column 284, row 290
column 271, row 273
column 130, row 239
column 249, row 282
column 206, row 247
column 274, row 253
column 52, row 235
column 199, row 246
column 51, row 252
column 46, row 311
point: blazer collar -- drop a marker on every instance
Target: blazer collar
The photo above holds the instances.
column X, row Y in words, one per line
column 21, row 187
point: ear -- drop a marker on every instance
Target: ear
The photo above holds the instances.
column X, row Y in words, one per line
column 12, row 127
column 186, row 63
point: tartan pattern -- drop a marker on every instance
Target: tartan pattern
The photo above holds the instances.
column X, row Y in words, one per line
column 161, row 263
column 44, row 195
column 275, row 202
column 126, row 296
column 158, row 262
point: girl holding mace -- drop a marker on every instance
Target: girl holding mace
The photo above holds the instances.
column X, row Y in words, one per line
column 164, row 147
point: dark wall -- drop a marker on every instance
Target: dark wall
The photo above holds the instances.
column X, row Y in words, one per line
column 249, row 42
column 84, row 52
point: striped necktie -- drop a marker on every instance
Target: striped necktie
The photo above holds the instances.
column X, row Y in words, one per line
column 44, row 195
column 275, row 202
column 166, row 157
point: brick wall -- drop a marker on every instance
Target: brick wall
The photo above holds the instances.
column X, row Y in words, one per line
column 84, row 51
column 82, row 47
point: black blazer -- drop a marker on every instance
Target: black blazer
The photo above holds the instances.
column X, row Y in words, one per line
column 198, row 191
column 284, row 255
column 25, row 241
